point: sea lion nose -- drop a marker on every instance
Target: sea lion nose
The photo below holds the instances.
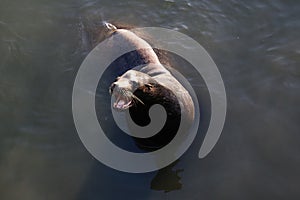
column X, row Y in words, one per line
column 112, row 87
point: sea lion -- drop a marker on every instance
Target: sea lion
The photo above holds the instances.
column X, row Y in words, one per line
column 147, row 82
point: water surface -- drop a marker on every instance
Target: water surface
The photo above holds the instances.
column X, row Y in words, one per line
column 256, row 46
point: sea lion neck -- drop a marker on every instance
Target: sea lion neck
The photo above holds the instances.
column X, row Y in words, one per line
column 151, row 94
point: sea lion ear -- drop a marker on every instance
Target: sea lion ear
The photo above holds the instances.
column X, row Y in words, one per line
column 149, row 85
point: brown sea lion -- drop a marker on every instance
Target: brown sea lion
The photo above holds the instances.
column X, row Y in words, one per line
column 146, row 84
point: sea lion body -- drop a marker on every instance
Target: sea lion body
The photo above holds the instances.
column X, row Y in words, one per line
column 147, row 81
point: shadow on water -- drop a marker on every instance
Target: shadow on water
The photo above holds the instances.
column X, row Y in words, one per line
column 167, row 179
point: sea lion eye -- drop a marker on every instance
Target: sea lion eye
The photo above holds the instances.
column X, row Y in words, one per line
column 133, row 82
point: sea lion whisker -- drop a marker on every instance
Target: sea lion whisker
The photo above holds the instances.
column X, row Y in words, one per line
column 136, row 98
column 125, row 93
column 128, row 95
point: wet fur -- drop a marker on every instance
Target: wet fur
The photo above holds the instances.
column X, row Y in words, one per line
column 152, row 83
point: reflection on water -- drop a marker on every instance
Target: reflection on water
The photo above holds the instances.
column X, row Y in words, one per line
column 256, row 47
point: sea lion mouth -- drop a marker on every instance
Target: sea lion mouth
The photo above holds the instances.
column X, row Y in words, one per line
column 124, row 99
column 122, row 102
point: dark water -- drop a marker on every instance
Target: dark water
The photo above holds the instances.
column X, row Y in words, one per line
column 256, row 46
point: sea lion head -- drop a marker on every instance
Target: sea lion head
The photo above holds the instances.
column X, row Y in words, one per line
column 124, row 87
column 138, row 92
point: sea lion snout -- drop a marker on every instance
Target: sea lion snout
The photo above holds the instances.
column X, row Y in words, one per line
column 123, row 88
